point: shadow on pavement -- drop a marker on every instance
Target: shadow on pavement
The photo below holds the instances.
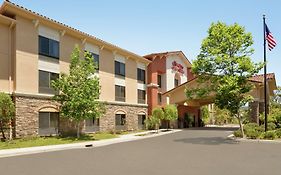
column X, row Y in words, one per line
column 207, row 141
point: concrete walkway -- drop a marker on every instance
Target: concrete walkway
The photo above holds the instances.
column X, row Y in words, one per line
column 99, row 143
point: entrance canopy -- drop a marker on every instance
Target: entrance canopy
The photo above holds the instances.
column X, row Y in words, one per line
column 177, row 95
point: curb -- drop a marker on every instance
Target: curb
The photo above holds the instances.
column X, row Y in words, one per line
column 253, row 140
column 81, row 145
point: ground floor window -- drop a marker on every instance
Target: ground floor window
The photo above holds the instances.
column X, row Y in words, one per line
column 141, row 119
column 120, row 119
column 48, row 123
column 92, row 125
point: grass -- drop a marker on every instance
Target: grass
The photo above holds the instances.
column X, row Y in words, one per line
column 43, row 141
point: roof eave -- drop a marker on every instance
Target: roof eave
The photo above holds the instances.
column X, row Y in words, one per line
column 7, row 6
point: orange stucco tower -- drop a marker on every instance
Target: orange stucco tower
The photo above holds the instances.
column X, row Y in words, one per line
column 167, row 71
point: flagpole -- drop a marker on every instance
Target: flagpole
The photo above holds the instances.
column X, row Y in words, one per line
column 265, row 76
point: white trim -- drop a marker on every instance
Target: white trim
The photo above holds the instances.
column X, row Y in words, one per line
column 141, row 113
column 141, row 66
column 152, row 85
column 92, row 48
column 48, row 64
column 120, row 112
column 120, row 81
column 120, row 58
column 49, row 33
column 141, row 86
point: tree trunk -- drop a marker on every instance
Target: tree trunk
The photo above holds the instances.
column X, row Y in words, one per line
column 241, row 125
column 2, row 130
column 78, row 129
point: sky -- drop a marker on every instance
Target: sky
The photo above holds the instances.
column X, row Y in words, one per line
column 149, row 26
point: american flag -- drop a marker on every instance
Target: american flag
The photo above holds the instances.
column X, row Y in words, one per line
column 269, row 37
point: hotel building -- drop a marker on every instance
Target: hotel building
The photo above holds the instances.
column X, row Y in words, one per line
column 34, row 49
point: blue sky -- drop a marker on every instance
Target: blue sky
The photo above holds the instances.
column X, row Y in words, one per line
column 148, row 26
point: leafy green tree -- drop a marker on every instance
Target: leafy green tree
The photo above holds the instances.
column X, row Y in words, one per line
column 79, row 90
column 224, row 64
column 170, row 113
column 152, row 122
column 7, row 112
column 157, row 116
column 275, row 101
column 205, row 114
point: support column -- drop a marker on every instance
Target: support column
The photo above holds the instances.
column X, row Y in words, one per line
column 255, row 111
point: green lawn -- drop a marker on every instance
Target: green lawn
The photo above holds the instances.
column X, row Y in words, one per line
column 43, row 141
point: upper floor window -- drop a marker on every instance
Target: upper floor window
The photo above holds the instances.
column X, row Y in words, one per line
column 49, row 47
column 120, row 68
column 96, row 58
column 159, row 81
column 120, row 93
column 141, row 96
column 45, row 80
column 159, row 98
column 141, row 75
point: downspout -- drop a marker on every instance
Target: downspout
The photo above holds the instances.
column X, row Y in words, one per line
column 10, row 57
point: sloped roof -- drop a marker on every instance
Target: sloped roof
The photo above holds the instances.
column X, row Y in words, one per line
column 161, row 54
column 28, row 11
column 260, row 77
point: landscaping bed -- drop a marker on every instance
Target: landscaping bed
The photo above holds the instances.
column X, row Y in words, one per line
column 44, row 141
column 254, row 131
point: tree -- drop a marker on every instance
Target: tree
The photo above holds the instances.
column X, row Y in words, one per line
column 155, row 120
column 224, row 62
column 79, row 90
column 205, row 114
column 7, row 111
column 171, row 113
column 275, row 101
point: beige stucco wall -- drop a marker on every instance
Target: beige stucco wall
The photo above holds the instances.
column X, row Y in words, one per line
column 26, row 62
column 67, row 44
column 4, row 58
column 106, row 75
column 131, row 81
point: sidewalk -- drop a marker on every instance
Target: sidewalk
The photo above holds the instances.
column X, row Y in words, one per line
column 49, row 148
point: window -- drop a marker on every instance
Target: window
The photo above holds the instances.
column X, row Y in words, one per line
column 159, row 98
column 92, row 122
column 141, row 96
column 120, row 119
column 96, row 59
column 45, row 80
column 159, row 81
column 48, row 123
column 141, row 119
column 141, row 75
column 119, row 68
column 176, row 82
column 119, row 93
column 48, row 47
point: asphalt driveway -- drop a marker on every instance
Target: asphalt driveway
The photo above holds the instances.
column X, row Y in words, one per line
column 196, row 151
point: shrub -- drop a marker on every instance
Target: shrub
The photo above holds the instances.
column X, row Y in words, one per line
column 237, row 133
column 250, row 127
column 278, row 133
column 270, row 126
column 269, row 135
column 253, row 134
